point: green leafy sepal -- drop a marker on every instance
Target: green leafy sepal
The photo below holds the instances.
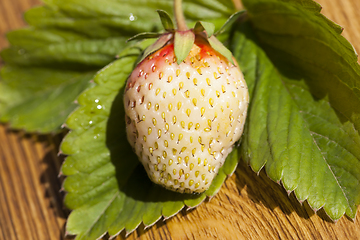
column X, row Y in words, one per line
column 166, row 21
column 183, row 42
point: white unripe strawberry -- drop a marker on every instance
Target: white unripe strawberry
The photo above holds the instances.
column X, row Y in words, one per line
column 183, row 119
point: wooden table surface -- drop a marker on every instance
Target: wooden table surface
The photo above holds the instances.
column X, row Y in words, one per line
column 247, row 207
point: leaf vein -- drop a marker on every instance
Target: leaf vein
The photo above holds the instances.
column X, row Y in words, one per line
column 102, row 213
column 336, row 143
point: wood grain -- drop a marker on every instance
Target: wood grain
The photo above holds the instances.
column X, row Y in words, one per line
column 248, row 206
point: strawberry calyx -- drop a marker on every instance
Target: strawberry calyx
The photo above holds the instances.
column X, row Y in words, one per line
column 184, row 38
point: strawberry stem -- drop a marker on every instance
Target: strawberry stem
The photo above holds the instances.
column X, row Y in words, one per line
column 237, row 4
column 179, row 16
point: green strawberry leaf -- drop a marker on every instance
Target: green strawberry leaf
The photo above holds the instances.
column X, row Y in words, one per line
column 107, row 187
column 75, row 55
column 39, row 85
column 119, row 18
column 303, row 121
column 42, row 105
column 49, row 63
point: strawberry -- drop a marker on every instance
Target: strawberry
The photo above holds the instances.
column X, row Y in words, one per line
column 184, row 116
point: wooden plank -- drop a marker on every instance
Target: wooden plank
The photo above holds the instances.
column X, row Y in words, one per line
column 247, row 207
